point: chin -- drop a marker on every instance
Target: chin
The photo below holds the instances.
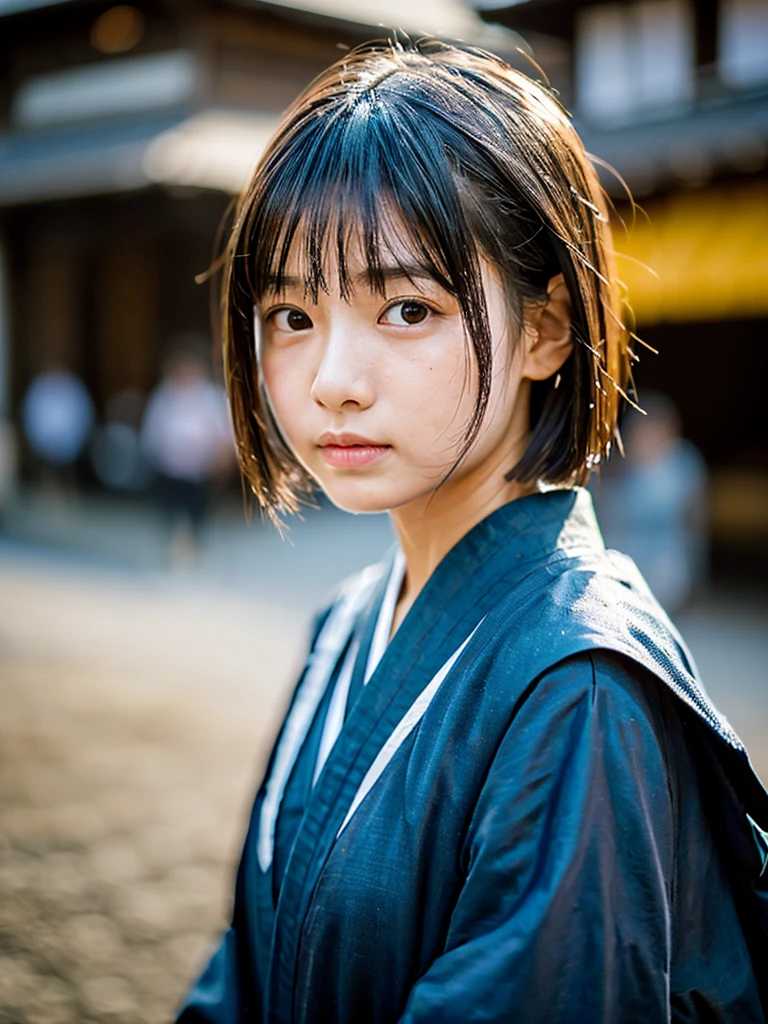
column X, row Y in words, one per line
column 360, row 497
column 357, row 504
column 363, row 497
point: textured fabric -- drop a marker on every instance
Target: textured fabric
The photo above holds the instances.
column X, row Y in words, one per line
column 559, row 833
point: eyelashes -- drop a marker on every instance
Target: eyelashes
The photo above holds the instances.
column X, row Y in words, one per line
column 406, row 313
column 401, row 313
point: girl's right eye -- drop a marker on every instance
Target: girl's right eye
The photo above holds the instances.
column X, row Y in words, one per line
column 290, row 319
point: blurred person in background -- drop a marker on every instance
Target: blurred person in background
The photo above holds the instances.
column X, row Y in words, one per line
column 500, row 792
column 652, row 504
column 57, row 416
column 187, row 438
column 116, row 450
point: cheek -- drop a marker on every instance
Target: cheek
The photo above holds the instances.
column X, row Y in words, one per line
column 446, row 397
column 282, row 378
column 438, row 379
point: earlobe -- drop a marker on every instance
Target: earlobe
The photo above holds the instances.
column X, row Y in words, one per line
column 548, row 333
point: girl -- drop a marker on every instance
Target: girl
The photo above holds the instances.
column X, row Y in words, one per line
column 500, row 792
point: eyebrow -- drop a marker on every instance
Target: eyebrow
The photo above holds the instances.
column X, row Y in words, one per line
column 393, row 272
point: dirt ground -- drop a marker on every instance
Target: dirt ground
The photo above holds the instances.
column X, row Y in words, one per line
column 131, row 736
column 136, row 716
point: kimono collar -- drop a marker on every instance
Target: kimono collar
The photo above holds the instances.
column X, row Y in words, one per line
column 557, row 523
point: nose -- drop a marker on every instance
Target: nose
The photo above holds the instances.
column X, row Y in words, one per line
column 343, row 379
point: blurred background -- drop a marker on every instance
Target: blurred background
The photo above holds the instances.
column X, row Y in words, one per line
column 148, row 636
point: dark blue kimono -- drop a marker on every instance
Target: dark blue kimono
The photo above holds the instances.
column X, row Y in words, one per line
column 524, row 808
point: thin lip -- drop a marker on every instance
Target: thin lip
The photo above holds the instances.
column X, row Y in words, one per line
column 348, row 441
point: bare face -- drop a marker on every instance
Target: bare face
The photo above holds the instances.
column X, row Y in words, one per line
column 374, row 394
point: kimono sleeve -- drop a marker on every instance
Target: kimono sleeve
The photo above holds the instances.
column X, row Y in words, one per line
column 564, row 915
column 215, row 997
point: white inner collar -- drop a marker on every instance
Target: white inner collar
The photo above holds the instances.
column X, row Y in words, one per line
column 383, row 628
column 334, row 719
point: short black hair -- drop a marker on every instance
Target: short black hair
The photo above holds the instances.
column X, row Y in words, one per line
column 474, row 160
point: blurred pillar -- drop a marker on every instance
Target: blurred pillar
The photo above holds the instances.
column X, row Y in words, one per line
column 53, row 306
column 126, row 315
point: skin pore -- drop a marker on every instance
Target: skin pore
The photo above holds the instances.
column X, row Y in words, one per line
column 374, row 394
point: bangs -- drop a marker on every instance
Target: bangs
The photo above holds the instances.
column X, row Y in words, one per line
column 361, row 186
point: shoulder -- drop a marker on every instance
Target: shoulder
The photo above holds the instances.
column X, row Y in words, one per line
column 158, row 399
column 597, row 600
column 597, row 610
column 690, row 457
column 574, row 602
column 603, row 690
column 614, row 669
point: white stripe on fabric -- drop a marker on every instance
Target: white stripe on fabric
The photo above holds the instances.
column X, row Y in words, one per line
column 402, row 730
column 329, row 644
column 338, row 705
column 334, row 720
column 386, row 615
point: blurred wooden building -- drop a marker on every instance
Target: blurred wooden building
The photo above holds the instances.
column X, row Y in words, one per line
column 124, row 132
column 673, row 94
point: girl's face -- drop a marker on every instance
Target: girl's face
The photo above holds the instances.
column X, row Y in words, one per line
column 374, row 394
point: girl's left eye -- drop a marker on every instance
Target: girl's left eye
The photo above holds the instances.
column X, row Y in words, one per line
column 405, row 314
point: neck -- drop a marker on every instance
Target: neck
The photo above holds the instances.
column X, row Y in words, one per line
column 428, row 528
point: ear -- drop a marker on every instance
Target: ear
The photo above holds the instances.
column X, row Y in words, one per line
column 547, row 334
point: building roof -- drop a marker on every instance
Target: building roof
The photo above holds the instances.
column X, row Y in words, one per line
column 214, row 150
column 20, row 6
column 716, row 137
column 452, row 18
column 552, row 17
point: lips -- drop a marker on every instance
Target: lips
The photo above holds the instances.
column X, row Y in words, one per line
column 350, row 451
column 344, row 440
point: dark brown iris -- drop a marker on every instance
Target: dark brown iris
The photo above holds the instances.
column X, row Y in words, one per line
column 298, row 321
column 413, row 312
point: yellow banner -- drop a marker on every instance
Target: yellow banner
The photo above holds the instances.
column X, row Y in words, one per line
column 697, row 255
